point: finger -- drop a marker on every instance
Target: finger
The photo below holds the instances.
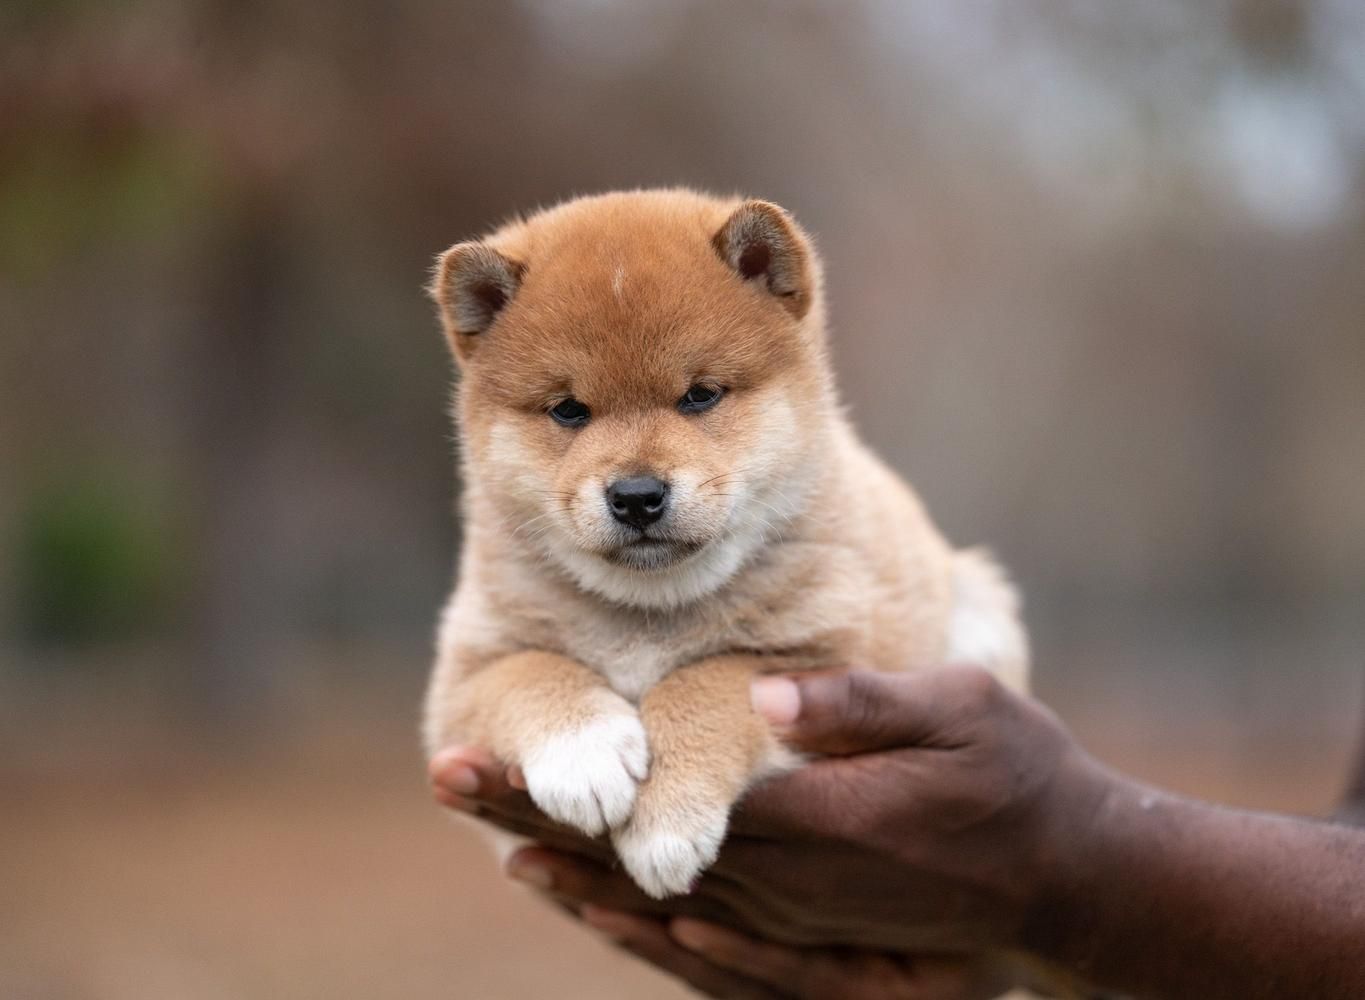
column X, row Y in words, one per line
column 599, row 881
column 827, row 974
column 861, row 711
column 468, row 772
column 472, row 780
column 769, row 963
column 954, row 978
column 561, row 839
column 517, row 806
column 649, row 940
column 808, row 973
column 514, row 812
column 584, row 881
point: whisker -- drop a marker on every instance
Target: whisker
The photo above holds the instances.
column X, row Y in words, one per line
column 529, row 522
column 731, row 472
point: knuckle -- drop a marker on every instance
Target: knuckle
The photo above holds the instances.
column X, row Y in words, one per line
column 979, row 689
column 863, row 697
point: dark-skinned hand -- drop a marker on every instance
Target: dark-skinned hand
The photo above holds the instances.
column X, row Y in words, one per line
column 819, row 858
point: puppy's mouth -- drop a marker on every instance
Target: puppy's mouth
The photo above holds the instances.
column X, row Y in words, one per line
column 649, row 552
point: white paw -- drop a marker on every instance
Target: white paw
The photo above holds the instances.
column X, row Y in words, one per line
column 587, row 777
column 665, row 856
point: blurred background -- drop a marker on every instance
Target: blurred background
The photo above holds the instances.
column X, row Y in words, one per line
column 1097, row 280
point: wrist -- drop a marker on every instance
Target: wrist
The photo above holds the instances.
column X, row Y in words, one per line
column 1084, row 824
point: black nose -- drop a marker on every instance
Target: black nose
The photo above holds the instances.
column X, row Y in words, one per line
column 638, row 501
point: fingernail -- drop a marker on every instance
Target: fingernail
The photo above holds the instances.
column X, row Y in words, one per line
column 688, row 933
column 609, row 922
column 534, row 875
column 777, row 699
column 459, row 778
column 451, row 769
column 463, row 781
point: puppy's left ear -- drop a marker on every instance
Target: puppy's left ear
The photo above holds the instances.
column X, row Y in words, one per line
column 471, row 285
column 762, row 243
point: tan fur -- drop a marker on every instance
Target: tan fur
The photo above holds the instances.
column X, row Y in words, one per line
column 517, row 699
column 794, row 546
column 707, row 746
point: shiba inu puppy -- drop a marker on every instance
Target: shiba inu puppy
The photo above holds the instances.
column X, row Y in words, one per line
column 662, row 499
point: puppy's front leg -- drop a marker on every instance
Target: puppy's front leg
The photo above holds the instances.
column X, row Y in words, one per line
column 580, row 744
column 707, row 746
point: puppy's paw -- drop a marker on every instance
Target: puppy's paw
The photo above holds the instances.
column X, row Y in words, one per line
column 666, row 852
column 587, row 777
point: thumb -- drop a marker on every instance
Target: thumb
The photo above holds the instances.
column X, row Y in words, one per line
column 862, row 711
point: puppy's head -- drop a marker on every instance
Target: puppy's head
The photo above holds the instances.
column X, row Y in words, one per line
column 644, row 391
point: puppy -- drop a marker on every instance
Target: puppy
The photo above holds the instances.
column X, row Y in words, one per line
column 662, row 499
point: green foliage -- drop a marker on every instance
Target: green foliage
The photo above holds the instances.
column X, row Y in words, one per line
column 93, row 563
column 68, row 188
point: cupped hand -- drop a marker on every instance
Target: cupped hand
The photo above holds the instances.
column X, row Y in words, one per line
column 939, row 818
column 719, row 962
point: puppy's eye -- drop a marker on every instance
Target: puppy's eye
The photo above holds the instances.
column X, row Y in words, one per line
column 700, row 397
column 570, row 413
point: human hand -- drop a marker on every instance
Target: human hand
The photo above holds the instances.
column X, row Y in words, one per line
column 715, row 960
column 720, row 962
column 939, row 821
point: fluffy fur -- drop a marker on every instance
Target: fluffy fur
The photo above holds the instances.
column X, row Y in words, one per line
column 615, row 667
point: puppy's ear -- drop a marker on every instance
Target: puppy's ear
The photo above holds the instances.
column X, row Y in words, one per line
column 762, row 243
column 471, row 285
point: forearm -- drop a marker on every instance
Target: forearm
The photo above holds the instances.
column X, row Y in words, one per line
column 1172, row 898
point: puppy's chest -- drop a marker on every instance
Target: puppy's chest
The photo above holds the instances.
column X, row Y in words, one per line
column 634, row 652
column 806, row 604
column 631, row 660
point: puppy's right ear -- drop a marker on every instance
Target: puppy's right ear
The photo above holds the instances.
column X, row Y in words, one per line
column 471, row 285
